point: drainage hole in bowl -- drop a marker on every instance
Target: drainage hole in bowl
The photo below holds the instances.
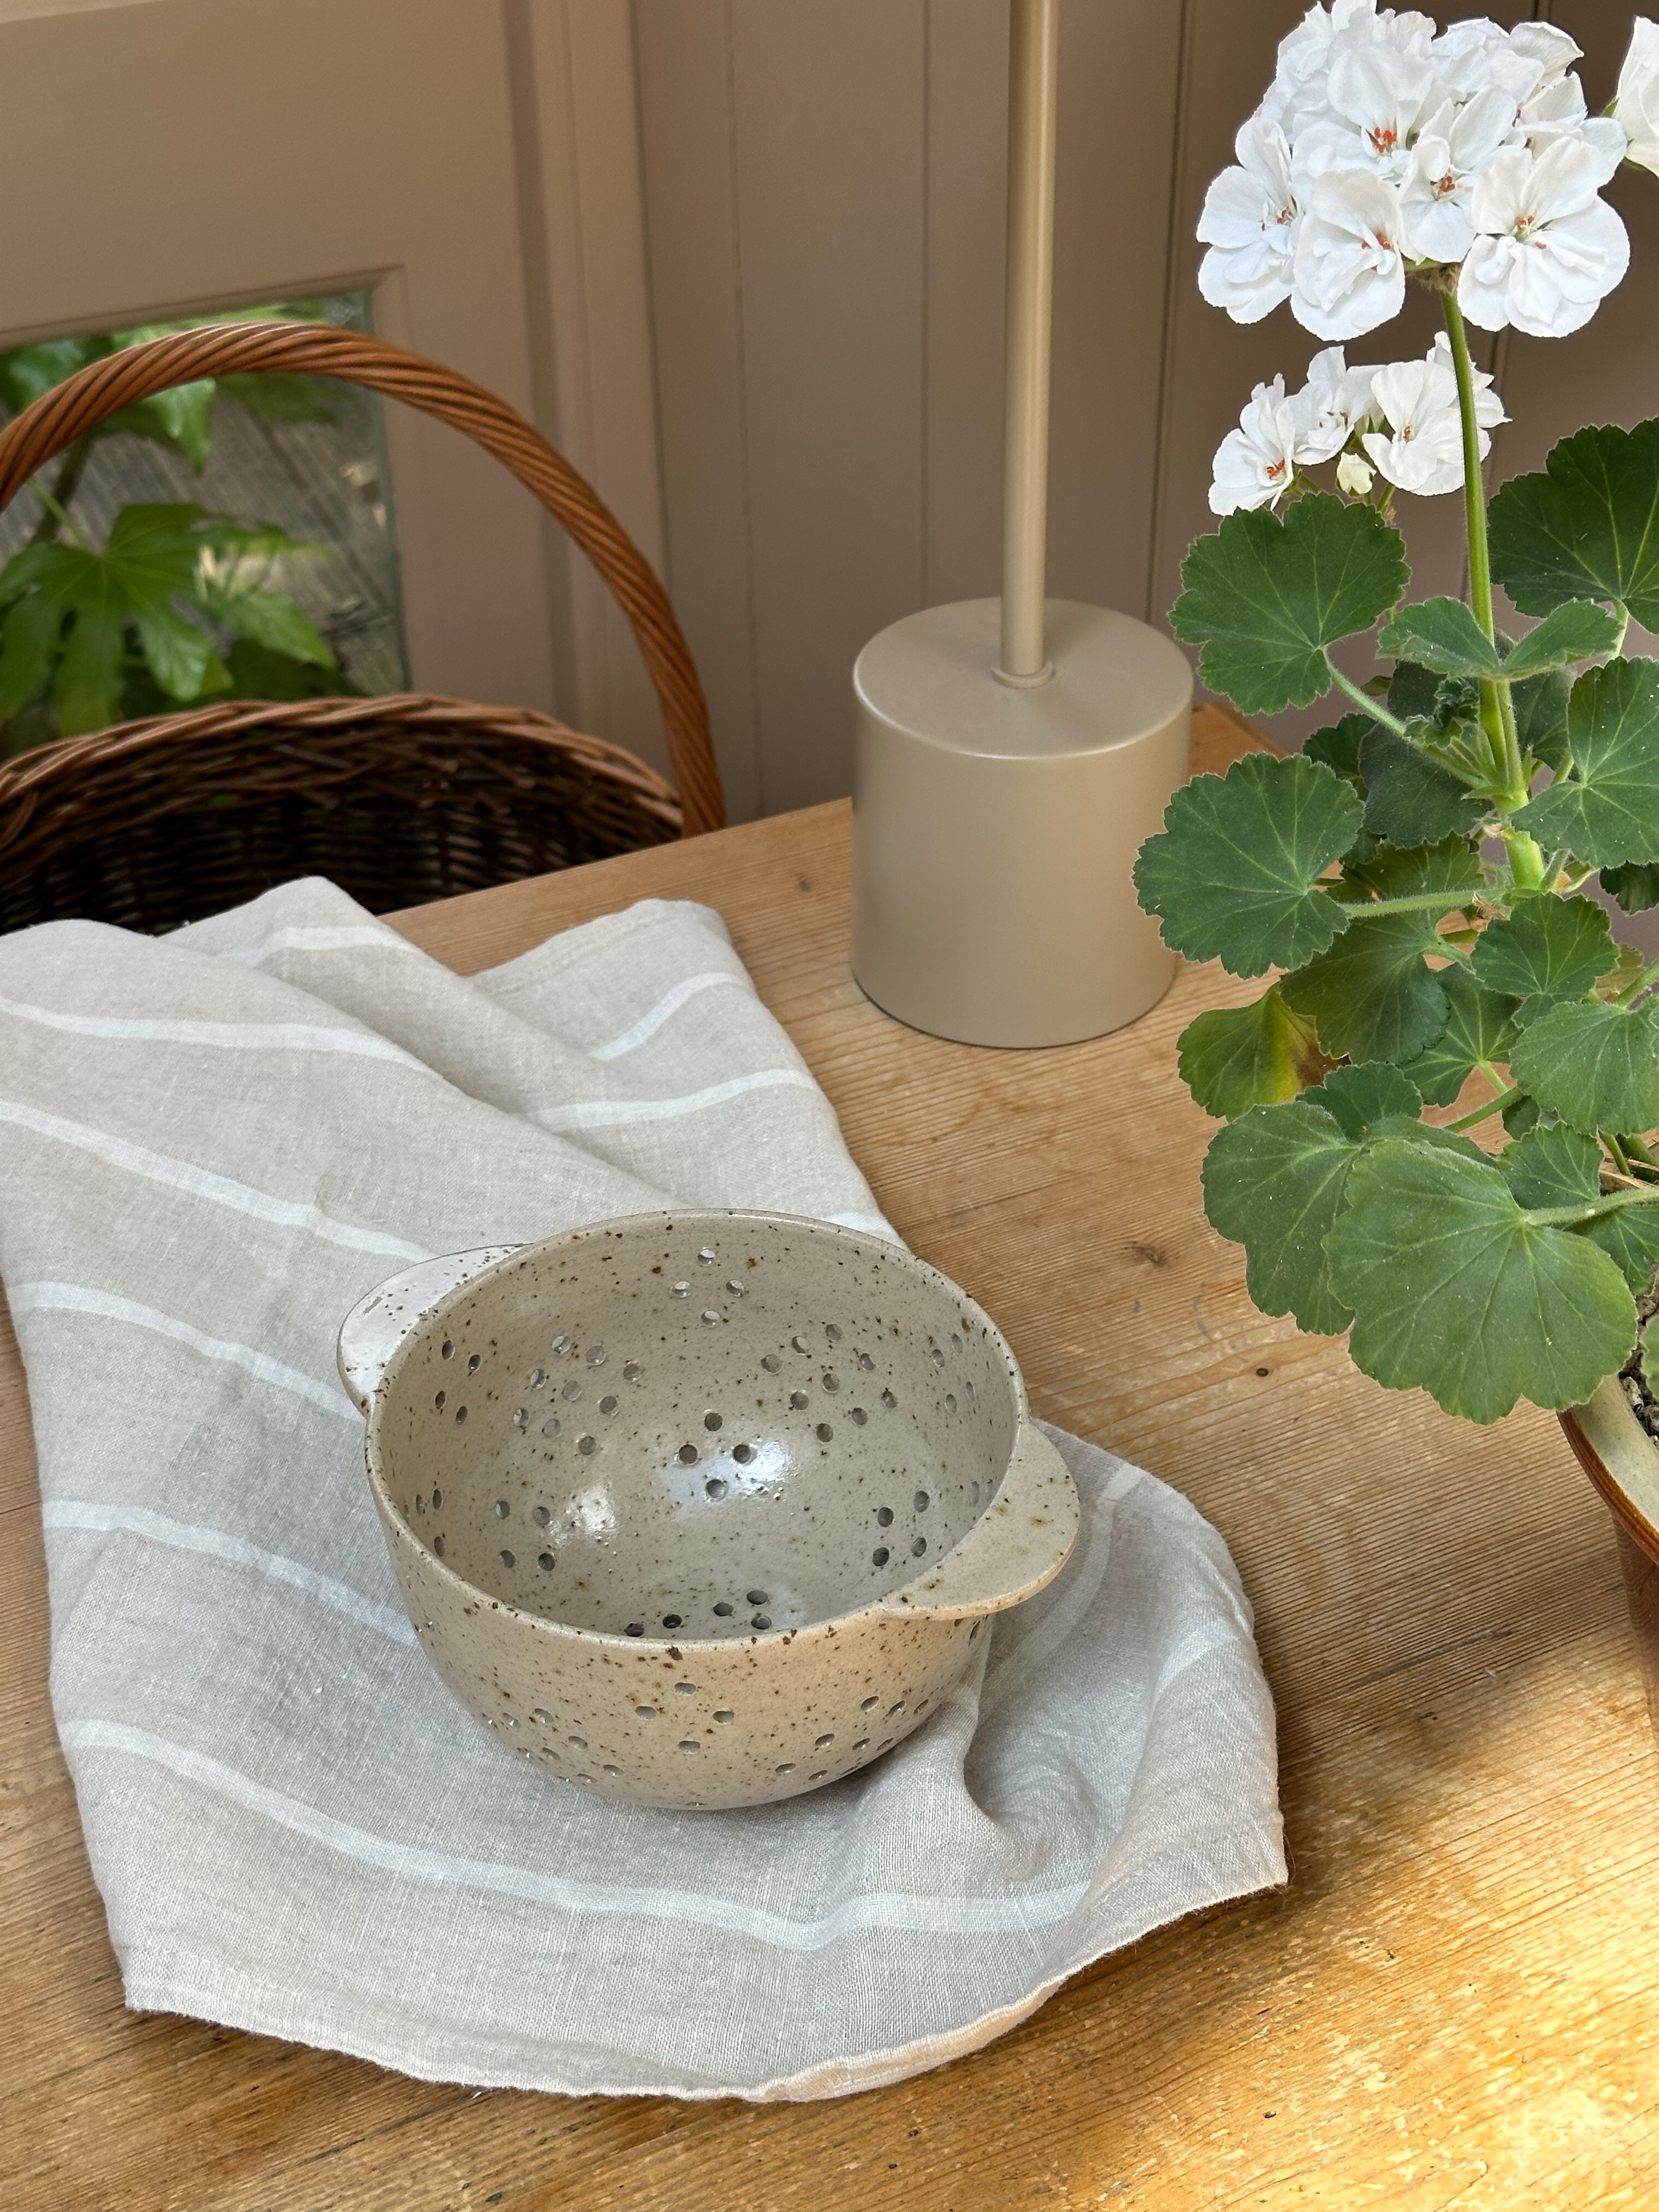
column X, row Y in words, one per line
column 608, row 1404
column 950, row 1401
column 761, row 1620
column 974, row 1493
column 889, row 1400
column 832, row 1334
column 859, row 1416
column 438, row 1402
column 552, row 1428
column 586, row 1445
column 686, row 1689
column 537, row 1376
column 541, row 1515
column 823, row 1432
column 824, row 1741
column 918, row 1548
column 634, row 1628
column 561, row 1345
column 460, row 1415
column 682, row 1290
column 863, row 1744
column 884, row 1516
column 800, row 1343
column 937, row 1357
column 712, row 1421
column 770, row 1362
column 921, row 1501
column 438, row 1547
column 646, row 1713
column 706, row 1256
column 437, row 1499
column 670, row 1620
column 893, row 1711
column 880, row 1556
column 580, row 1742
column 869, row 1705
column 542, row 1718
column 612, row 1770
column 830, row 1382
column 505, row 1558
column 743, row 1453
column 572, row 1389
column 726, row 1716
column 711, row 1317
column 475, row 1363
column 689, row 1744
column 974, row 1630
column 633, row 1372
column 688, row 1454
column 595, row 1355
column 866, row 1363
column 788, row 1767
column 735, row 1288
column 545, row 1561
column 502, row 1508
column 520, row 1417
column 446, row 1349
column 714, row 1487
column 759, row 1597
column 798, row 1401
column 822, row 1775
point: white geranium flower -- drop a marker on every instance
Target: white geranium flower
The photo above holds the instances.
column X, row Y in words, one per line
column 1477, row 56
column 1300, row 91
column 1549, row 46
column 1421, row 449
column 1330, row 406
column 1350, row 263
column 1636, row 106
column 1255, row 464
column 1547, row 249
column 1457, row 144
column 1249, row 225
column 1355, row 474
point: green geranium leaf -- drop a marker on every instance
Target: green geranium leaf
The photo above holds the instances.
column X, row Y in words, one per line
column 1360, row 1097
column 1479, row 1031
column 1450, row 868
column 1237, row 1057
column 1557, row 1167
column 1456, row 1289
column 1410, row 799
column 1441, row 635
column 1553, row 1167
column 1607, row 808
column 1370, row 997
column 1586, row 526
column 1541, row 715
column 1595, row 1067
column 1577, row 631
column 1232, row 874
column 1636, row 885
column 1274, row 1182
column 1337, row 746
column 1266, row 594
column 1549, row 952
column 1523, row 1114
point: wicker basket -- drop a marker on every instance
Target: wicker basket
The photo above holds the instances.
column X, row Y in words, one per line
column 398, row 799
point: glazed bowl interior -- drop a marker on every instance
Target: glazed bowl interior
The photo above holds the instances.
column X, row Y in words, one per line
column 716, row 1429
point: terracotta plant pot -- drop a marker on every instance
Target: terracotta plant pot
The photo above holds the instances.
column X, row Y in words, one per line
column 1622, row 1460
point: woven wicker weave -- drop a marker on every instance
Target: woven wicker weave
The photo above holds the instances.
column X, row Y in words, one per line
column 399, row 799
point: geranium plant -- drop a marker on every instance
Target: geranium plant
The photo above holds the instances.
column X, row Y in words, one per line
column 1419, row 875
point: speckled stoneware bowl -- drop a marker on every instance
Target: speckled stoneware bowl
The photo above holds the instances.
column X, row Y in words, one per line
column 701, row 1509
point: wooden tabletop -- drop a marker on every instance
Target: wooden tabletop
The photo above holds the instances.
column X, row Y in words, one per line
column 1453, row 2001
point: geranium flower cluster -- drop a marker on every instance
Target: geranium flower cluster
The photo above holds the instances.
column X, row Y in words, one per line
column 1399, row 421
column 1385, row 149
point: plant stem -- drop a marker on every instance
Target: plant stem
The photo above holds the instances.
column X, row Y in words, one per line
column 1474, row 509
column 55, row 505
column 1613, row 1201
column 1620, row 1160
column 1420, row 902
column 1484, row 1113
column 1648, row 975
column 1378, row 712
column 59, row 514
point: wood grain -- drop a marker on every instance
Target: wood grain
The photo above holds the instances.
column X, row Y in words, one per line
column 1453, row 2002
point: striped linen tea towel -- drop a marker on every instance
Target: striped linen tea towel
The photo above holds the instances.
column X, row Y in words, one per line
column 211, row 1146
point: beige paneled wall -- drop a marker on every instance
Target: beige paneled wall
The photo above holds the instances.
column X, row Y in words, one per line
column 823, row 197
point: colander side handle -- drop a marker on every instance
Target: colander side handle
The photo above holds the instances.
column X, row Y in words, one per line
column 378, row 1322
column 1021, row 1541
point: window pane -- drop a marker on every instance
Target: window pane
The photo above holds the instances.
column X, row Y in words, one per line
column 264, row 501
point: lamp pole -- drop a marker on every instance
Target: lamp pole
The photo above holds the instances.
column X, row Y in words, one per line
column 1033, row 86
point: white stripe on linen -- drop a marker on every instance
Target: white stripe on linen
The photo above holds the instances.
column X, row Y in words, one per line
column 201, row 1182
column 79, row 1297
column 231, row 1037
column 666, row 1008
column 342, row 936
column 92, row 1515
column 1025, row 1910
column 612, row 1113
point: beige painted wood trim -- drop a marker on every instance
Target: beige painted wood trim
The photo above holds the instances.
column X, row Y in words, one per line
column 577, row 119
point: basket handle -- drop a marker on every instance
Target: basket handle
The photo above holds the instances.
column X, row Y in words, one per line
column 103, row 388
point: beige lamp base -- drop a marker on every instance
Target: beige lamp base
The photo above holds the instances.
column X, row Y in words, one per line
column 995, row 826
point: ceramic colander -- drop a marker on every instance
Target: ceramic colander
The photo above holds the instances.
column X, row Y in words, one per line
column 701, row 1509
